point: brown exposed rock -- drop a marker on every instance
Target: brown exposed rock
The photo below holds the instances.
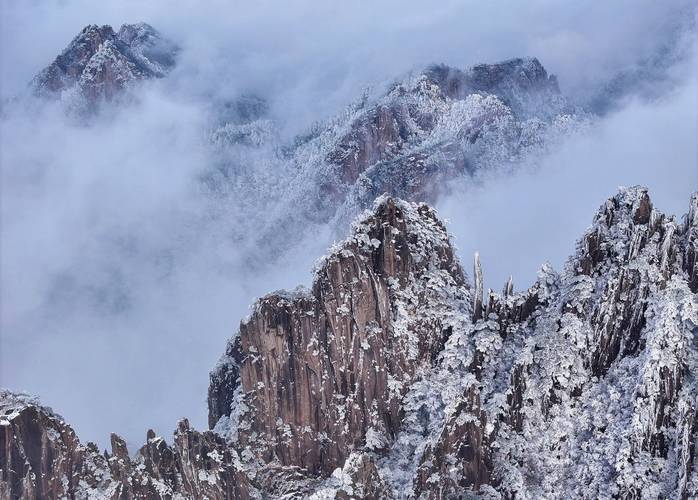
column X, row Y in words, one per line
column 41, row 458
column 321, row 368
column 581, row 386
column 374, row 138
column 386, row 146
column 460, row 459
column 372, row 154
column 99, row 63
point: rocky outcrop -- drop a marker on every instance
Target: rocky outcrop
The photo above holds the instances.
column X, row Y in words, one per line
column 42, row 458
column 322, row 372
column 437, row 125
column 523, row 84
column 392, row 378
column 498, row 98
column 100, row 63
column 411, row 140
column 460, row 460
column 580, row 386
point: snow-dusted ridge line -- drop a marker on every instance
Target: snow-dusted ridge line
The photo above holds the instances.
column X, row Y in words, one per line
column 412, row 140
column 582, row 386
column 494, row 364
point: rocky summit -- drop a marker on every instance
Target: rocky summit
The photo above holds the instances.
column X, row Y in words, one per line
column 411, row 140
column 396, row 376
column 435, row 125
column 42, row 457
column 100, row 63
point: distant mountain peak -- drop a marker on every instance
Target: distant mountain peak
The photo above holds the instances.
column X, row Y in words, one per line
column 521, row 83
column 432, row 126
column 100, row 63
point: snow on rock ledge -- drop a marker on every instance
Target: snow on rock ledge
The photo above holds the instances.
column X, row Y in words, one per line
column 581, row 386
column 585, row 384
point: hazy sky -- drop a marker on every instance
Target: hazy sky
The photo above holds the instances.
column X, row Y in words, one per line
column 120, row 283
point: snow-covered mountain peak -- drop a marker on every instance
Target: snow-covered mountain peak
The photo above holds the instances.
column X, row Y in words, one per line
column 410, row 141
column 99, row 64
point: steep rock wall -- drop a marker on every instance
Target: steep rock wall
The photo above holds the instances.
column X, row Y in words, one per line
column 320, row 369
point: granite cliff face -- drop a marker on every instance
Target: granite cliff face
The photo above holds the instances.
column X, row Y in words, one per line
column 580, row 386
column 322, row 372
column 393, row 377
column 100, row 63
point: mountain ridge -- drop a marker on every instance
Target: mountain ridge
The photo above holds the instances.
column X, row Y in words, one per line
column 401, row 378
column 428, row 129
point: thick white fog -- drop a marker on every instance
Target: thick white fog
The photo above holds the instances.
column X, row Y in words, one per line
column 122, row 277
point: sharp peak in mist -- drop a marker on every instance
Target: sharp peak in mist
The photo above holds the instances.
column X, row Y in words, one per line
column 629, row 206
column 99, row 64
column 413, row 137
column 633, row 265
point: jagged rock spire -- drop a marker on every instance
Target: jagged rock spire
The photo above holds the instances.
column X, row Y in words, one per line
column 478, row 288
column 690, row 259
column 300, row 352
column 41, row 457
column 508, row 290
